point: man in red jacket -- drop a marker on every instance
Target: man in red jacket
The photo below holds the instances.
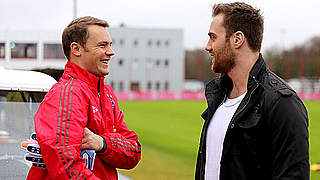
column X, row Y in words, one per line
column 81, row 112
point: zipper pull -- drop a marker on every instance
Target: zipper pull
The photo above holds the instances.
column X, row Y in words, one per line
column 255, row 80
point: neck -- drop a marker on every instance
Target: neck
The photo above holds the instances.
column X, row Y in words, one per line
column 240, row 73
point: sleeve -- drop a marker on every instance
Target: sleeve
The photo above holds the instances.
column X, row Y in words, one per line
column 289, row 139
column 59, row 124
column 123, row 147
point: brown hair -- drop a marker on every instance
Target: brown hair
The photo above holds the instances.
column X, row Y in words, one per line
column 77, row 31
column 242, row 17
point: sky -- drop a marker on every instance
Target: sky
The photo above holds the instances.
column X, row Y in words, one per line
column 287, row 22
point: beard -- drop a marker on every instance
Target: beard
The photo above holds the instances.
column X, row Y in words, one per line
column 224, row 59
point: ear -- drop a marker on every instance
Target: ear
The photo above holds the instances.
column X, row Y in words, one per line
column 238, row 39
column 75, row 49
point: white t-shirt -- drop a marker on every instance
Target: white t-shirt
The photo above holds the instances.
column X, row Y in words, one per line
column 215, row 136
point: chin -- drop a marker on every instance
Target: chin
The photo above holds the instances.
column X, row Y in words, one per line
column 105, row 73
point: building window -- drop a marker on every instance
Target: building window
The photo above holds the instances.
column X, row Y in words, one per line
column 135, row 43
column 2, row 50
column 134, row 86
column 158, row 62
column 23, row 50
column 53, row 51
column 135, row 64
column 150, row 43
column 120, row 62
column 149, row 63
column 121, row 86
column 167, row 43
column 158, row 43
column 158, row 86
column 149, row 86
column 122, row 42
column 166, row 63
column 166, row 86
column 112, row 84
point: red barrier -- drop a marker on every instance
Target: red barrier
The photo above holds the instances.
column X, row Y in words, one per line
column 160, row 95
column 163, row 95
column 309, row 95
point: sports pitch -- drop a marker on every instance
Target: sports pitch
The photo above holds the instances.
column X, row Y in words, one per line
column 169, row 132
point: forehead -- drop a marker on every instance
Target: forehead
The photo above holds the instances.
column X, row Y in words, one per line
column 216, row 26
column 98, row 33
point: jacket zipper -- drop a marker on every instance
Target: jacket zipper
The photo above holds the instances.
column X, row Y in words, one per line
column 100, row 97
column 113, row 124
column 231, row 125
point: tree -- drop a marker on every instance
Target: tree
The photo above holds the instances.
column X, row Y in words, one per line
column 198, row 65
column 300, row 60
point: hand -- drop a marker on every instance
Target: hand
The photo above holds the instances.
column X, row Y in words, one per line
column 33, row 151
column 34, row 154
column 91, row 140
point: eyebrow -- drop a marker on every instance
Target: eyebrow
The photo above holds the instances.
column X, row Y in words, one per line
column 105, row 42
column 212, row 34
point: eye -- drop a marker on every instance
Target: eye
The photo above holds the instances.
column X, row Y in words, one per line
column 102, row 45
column 212, row 37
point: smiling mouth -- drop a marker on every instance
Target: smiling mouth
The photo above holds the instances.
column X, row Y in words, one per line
column 105, row 61
column 211, row 53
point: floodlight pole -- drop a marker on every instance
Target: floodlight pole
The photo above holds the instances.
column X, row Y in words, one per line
column 74, row 9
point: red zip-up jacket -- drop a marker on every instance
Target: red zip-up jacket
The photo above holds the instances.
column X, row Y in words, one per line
column 79, row 100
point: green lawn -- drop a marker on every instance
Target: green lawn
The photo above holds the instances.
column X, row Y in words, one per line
column 169, row 133
column 313, row 108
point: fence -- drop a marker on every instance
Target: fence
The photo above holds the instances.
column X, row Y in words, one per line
column 162, row 95
column 306, row 88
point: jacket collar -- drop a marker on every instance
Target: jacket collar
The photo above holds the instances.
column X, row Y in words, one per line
column 225, row 83
column 258, row 68
column 75, row 71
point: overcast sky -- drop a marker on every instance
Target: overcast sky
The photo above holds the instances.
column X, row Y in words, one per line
column 287, row 22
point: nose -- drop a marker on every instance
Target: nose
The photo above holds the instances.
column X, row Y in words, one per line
column 209, row 46
column 110, row 52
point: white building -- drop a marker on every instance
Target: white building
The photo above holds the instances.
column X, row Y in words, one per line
column 146, row 59
column 21, row 49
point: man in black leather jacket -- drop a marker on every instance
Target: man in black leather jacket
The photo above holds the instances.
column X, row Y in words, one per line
column 267, row 135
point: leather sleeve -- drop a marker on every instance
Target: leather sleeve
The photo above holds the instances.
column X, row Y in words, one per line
column 289, row 138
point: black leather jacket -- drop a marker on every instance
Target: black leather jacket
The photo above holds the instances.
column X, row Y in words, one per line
column 267, row 137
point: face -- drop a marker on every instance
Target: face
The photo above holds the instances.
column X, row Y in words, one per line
column 97, row 52
column 219, row 47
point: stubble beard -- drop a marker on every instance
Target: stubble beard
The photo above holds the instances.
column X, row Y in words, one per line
column 224, row 59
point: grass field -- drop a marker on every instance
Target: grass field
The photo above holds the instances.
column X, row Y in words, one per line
column 313, row 108
column 169, row 133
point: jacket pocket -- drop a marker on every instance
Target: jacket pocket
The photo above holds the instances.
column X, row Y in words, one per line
column 249, row 138
column 250, row 121
column 252, row 117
